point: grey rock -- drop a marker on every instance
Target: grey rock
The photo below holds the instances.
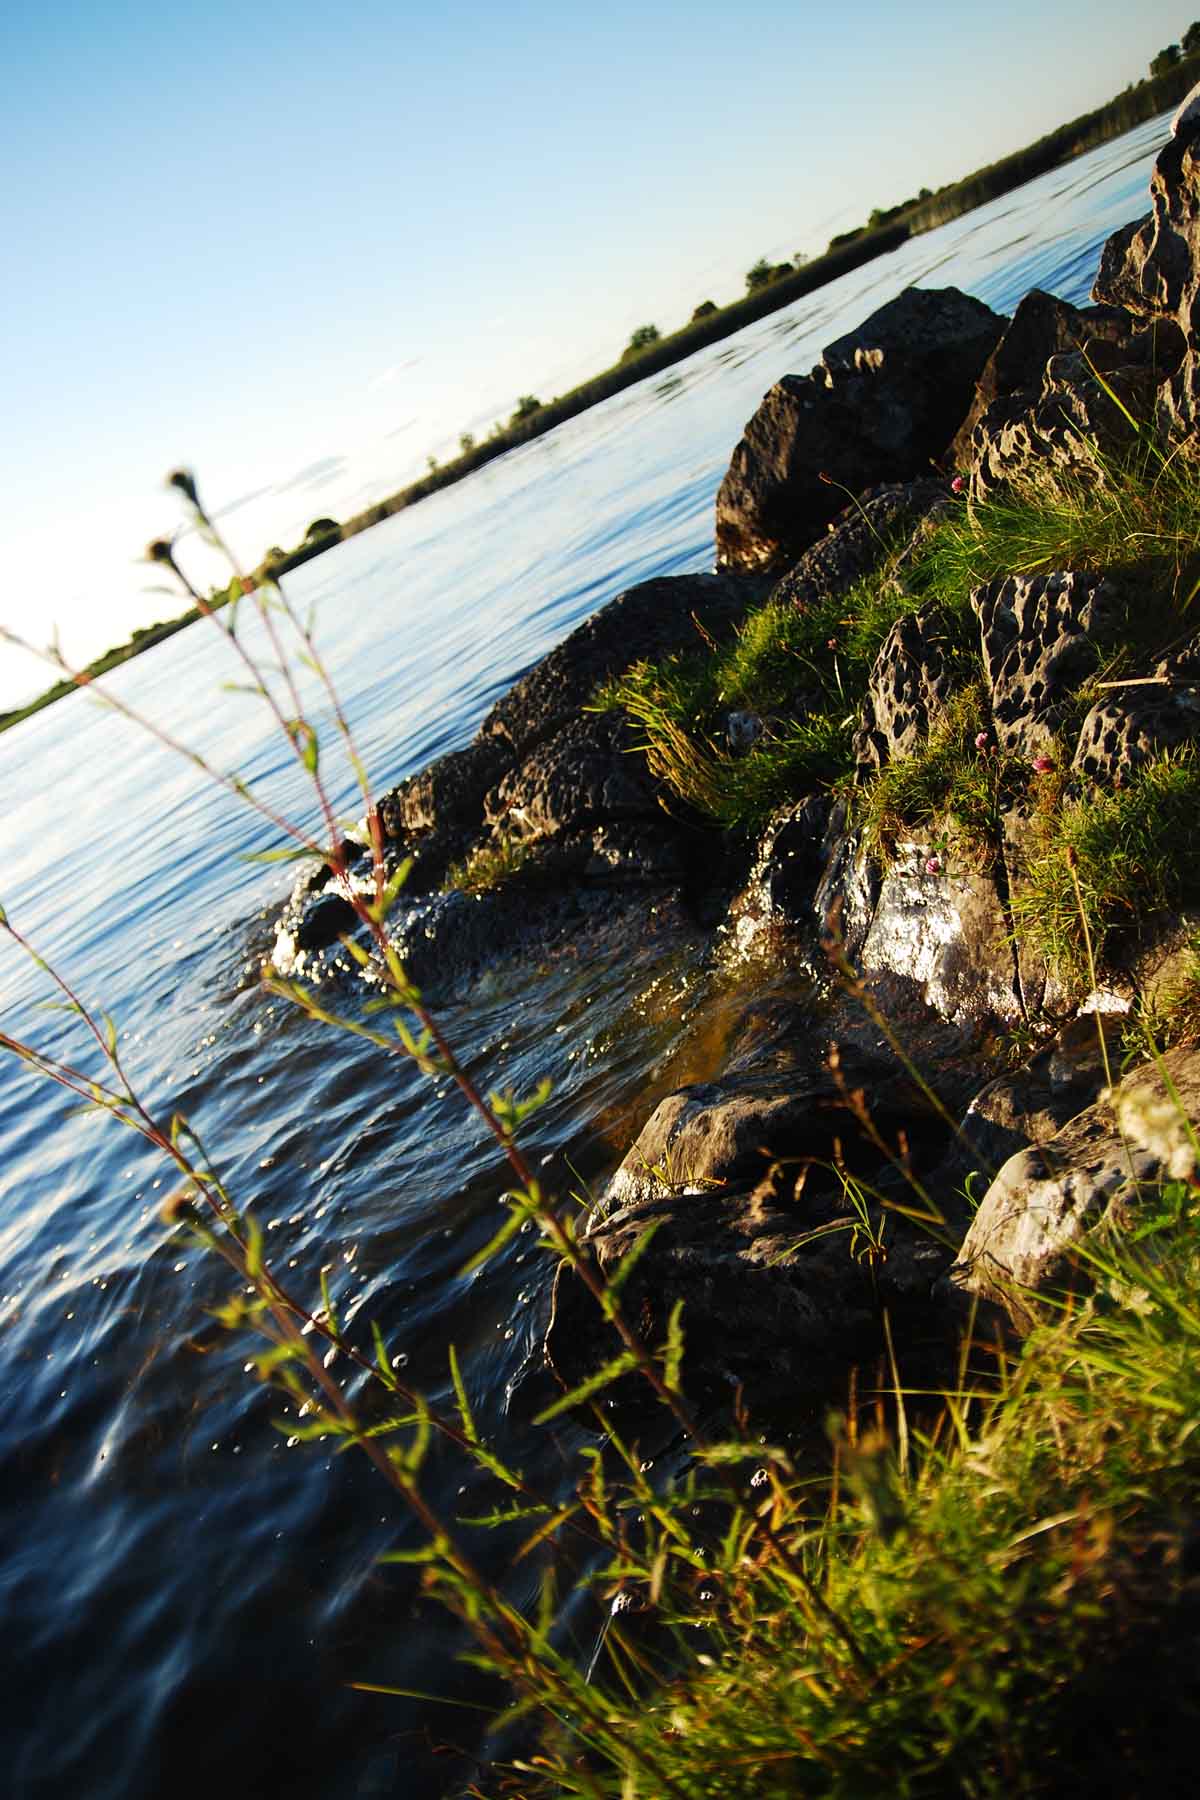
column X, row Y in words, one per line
column 909, row 686
column 583, row 775
column 1133, row 725
column 1042, row 326
column 1152, row 268
column 882, row 406
column 947, row 931
column 652, row 620
column 1076, row 421
column 1098, row 1174
column 1039, row 641
column 1028, row 1106
column 857, row 540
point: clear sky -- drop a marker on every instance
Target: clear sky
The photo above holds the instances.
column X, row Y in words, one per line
column 300, row 249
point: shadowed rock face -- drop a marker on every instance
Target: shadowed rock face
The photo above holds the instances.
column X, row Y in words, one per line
column 881, row 406
column 1152, row 268
column 1042, row 327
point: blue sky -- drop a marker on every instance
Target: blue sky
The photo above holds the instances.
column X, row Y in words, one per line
column 301, row 250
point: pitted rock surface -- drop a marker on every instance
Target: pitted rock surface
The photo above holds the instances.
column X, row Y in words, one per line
column 1132, row 726
column 1042, row 326
column 1152, row 268
column 882, row 406
column 1039, row 638
column 857, row 540
column 585, row 774
column 909, row 687
column 1018, row 443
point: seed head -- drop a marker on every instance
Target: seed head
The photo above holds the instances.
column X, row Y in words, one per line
column 185, row 481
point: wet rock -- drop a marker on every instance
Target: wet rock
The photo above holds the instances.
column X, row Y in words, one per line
column 948, row 932
column 788, row 863
column 1042, row 326
column 324, row 921
column 882, row 406
column 858, row 539
column 1099, row 1174
column 1039, row 640
column 909, row 687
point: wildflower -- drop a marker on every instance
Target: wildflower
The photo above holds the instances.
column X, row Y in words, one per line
column 1042, row 765
column 933, row 864
column 957, row 485
column 982, row 739
column 831, row 643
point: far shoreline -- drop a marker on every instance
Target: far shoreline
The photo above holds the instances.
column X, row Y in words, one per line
column 1140, row 102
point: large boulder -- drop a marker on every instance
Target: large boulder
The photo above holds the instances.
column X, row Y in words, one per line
column 1141, row 719
column 1042, row 326
column 881, row 406
column 1152, row 268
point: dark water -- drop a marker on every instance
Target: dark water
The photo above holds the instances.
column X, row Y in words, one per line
column 185, row 1594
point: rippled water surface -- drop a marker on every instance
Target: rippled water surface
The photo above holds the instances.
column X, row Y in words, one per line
column 185, row 1594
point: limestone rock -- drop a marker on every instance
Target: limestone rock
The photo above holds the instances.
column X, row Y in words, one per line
column 583, row 775
column 1042, row 326
column 651, row 620
column 947, row 932
column 1102, row 1170
column 909, row 687
column 1038, row 635
column 1152, row 268
column 1133, row 725
column 1065, row 432
column 857, row 539
column 882, row 405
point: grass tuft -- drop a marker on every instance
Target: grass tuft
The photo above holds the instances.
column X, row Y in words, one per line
column 1135, row 853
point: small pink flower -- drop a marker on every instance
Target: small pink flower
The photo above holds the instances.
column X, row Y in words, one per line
column 831, row 643
column 957, row 485
column 982, row 739
column 933, row 865
column 1042, row 765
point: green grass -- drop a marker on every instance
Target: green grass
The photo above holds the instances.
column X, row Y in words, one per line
column 488, row 867
column 949, row 789
column 1003, row 1605
column 802, row 670
column 1135, row 852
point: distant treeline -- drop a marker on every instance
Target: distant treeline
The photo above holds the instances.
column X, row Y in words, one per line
column 886, row 229
column 144, row 638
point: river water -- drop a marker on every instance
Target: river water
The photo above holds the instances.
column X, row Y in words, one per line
column 186, row 1596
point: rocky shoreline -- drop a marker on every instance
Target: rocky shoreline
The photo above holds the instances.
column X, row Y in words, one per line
column 868, row 1154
